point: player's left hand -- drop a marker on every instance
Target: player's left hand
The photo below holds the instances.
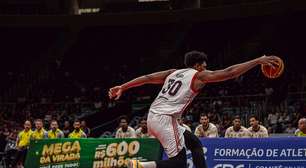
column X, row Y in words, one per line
column 115, row 92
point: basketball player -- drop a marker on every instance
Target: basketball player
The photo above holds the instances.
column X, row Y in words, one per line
column 179, row 88
column 237, row 130
column 257, row 130
column 206, row 129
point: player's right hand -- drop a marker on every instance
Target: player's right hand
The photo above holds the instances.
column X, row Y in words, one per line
column 270, row 60
column 115, row 92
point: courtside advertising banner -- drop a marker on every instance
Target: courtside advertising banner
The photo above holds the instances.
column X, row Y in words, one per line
column 253, row 153
column 90, row 153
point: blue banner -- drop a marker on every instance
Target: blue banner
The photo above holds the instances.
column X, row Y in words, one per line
column 253, row 153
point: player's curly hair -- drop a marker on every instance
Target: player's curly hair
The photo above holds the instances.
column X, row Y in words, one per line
column 123, row 117
column 194, row 57
column 254, row 116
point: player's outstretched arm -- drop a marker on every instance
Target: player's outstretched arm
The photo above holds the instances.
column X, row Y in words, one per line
column 154, row 78
column 235, row 70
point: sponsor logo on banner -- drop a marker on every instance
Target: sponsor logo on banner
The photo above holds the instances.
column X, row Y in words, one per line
column 57, row 153
column 228, row 166
column 253, row 152
column 116, row 154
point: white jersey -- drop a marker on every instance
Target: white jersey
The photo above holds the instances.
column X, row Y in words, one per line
column 242, row 133
column 261, row 133
column 176, row 93
column 211, row 132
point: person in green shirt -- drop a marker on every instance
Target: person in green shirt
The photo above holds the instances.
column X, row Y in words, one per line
column 301, row 132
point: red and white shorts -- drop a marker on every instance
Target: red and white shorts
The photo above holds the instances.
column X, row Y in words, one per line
column 168, row 131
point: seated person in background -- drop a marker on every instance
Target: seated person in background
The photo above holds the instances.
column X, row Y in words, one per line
column 54, row 131
column 181, row 122
column 290, row 129
column 301, row 132
column 85, row 128
column 237, row 131
column 257, row 131
column 39, row 132
column 77, row 132
column 66, row 128
column 206, row 129
column 142, row 131
column 125, row 131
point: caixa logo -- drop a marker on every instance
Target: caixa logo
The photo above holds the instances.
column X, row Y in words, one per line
column 228, row 166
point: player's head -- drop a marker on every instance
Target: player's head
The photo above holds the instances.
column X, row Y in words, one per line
column 302, row 124
column 83, row 123
column 54, row 125
column 66, row 124
column 38, row 123
column 253, row 121
column 196, row 60
column 237, row 122
column 77, row 125
column 143, row 123
column 123, row 122
column 204, row 120
column 27, row 125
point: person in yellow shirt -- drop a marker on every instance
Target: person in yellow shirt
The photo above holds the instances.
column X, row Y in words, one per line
column 54, row 131
column 39, row 132
column 77, row 132
column 23, row 142
column 301, row 132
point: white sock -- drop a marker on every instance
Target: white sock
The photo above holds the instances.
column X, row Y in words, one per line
column 148, row 164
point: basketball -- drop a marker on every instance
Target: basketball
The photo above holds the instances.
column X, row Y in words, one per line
column 273, row 71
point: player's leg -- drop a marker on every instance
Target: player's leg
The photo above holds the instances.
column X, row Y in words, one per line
column 178, row 161
column 193, row 143
column 166, row 130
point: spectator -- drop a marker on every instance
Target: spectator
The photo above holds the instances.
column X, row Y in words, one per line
column 85, row 128
column 237, row 131
column 181, row 122
column 54, row 131
column 39, row 132
column 301, row 132
column 206, row 129
column 214, row 117
column 2, row 140
column 23, row 142
column 125, row 131
column 142, row 131
column 290, row 129
column 257, row 131
column 272, row 118
column 67, row 128
column 77, row 132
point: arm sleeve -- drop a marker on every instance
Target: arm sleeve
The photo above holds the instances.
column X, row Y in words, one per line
column 117, row 134
column 266, row 134
column 197, row 132
column 18, row 139
column 226, row 133
column 133, row 134
column 83, row 135
column 61, row 135
column 214, row 133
